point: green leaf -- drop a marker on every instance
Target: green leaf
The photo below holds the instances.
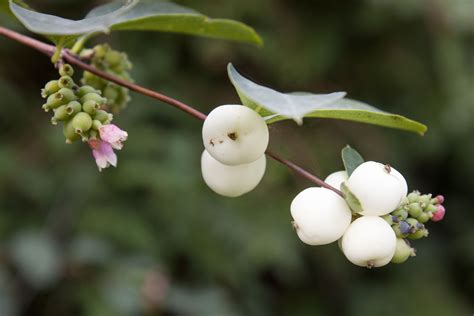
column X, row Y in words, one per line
column 351, row 159
column 351, row 199
column 145, row 15
column 279, row 106
column 152, row 15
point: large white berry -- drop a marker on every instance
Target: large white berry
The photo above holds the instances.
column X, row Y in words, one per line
column 235, row 134
column 379, row 188
column 320, row 216
column 231, row 181
column 369, row 242
column 335, row 179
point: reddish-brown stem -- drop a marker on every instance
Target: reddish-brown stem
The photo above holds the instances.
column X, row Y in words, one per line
column 72, row 59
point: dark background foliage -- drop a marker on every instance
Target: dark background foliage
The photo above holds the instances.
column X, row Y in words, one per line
column 149, row 238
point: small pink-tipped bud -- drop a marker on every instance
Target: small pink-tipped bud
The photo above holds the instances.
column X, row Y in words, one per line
column 440, row 199
column 439, row 214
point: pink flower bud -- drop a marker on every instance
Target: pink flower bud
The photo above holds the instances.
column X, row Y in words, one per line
column 439, row 214
column 440, row 199
column 113, row 135
column 103, row 153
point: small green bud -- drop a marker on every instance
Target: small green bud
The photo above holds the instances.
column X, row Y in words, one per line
column 110, row 92
column 96, row 125
column 93, row 134
column 46, row 107
column 66, row 82
column 73, row 107
column 405, row 201
column 400, row 213
column 431, row 208
column 82, row 91
column 69, row 132
column 60, row 113
column 425, row 199
column 55, row 100
column 113, row 58
column 66, row 70
column 90, row 107
column 103, row 117
column 93, row 97
column 414, row 209
column 82, row 122
column 100, row 51
column 413, row 196
column 68, row 94
column 414, row 224
column 424, row 217
column 419, row 234
column 403, row 251
column 50, row 88
column 388, row 218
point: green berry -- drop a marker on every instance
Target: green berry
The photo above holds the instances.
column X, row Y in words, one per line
column 113, row 58
column 414, row 209
column 82, row 91
column 419, row 234
column 401, row 213
column 50, row 88
column 66, row 82
column 73, row 107
column 413, row 196
column 100, row 51
column 68, row 94
column 55, row 100
column 93, row 97
column 388, row 218
column 403, row 251
column 430, row 208
column 425, row 199
column 424, row 217
column 61, row 113
column 398, row 232
column 103, row 117
column 82, row 122
column 66, row 70
column 69, row 132
column 96, row 125
column 90, row 107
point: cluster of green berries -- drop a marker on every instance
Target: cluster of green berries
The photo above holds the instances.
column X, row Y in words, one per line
column 78, row 107
column 116, row 63
column 408, row 221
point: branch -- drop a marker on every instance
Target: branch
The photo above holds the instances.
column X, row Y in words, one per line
column 72, row 59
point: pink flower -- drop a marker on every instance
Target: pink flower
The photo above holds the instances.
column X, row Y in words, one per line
column 439, row 214
column 113, row 135
column 103, row 153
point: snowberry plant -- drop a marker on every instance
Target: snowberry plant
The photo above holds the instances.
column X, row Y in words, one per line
column 365, row 207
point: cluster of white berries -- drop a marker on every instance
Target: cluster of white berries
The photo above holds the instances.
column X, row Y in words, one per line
column 321, row 216
column 371, row 218
column 235, row 139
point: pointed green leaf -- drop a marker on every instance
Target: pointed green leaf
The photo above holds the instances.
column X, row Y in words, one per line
column 277, row 106
column 152, row 15
column 351, row 159
column 144, row 15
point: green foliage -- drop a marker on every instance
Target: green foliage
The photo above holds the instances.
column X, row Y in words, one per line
column 351, row 159
column 145, row 15
column 279, row 106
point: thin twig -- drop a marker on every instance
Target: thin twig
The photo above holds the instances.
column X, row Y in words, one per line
column 74, row 60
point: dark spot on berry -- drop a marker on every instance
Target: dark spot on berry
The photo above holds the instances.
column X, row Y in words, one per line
column 232, row 136
column 388, row 168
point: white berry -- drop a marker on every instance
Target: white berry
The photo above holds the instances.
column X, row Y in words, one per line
column 379, row 188
column 335, row 179
column 369, row 242
column 235, row 134
column 320, row 216
column 231, row 181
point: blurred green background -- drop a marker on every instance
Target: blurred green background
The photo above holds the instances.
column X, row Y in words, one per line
column 149, row 238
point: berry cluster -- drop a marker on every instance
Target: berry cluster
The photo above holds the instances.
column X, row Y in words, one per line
column 235, row 139
column 116, row 63
column 81, row 109
column 373, row 219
